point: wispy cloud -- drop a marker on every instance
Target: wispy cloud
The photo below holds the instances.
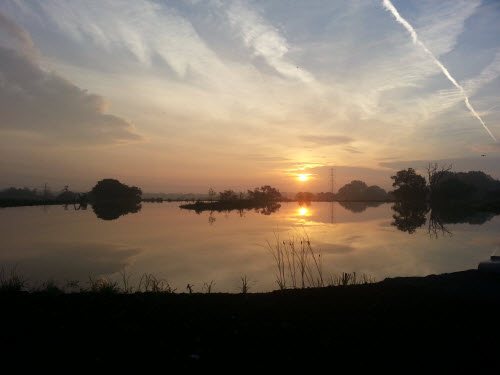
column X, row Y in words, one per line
column 265, row 40
column 327, row 140
column 147, row 30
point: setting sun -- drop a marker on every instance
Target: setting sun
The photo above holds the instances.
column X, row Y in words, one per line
column 303, row 211
column 303, row 177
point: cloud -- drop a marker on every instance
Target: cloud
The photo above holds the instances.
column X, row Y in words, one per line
column 265, row 40
column 327, row 140
column 44, row 103
column 146, row 30
column 265, row 158
column 15, row 37
column 486, row 147
column 352, row 150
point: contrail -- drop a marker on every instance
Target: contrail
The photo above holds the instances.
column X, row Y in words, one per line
column 388, row 5
column 496, row 105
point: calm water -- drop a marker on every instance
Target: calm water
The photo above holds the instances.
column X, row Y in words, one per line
column 184, row 247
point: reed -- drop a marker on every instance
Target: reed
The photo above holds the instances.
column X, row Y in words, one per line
column 103, row 285
column 346, row 278
column 149, row 283
column 127, row 286
column 208, row 287
column 298, row 264
column 245, row 285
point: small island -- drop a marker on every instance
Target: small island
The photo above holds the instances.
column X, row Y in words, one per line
column 265, row 198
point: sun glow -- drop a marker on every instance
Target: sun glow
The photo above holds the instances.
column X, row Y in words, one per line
column 302, row 211
column 303, row 177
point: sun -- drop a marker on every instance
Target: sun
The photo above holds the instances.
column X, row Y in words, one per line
column 302, row 211
column 303, row 177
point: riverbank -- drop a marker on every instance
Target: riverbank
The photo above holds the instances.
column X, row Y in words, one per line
column 447, row 322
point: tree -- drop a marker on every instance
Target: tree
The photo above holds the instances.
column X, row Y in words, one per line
column 352, row 191
column 472, row 185
column 435, row 174
column 112, row 199
column 409, row 185
column 211, row 194
column 264, row 194
column 452, row 189
column 114, row 191
column 376, row 193
column 228, row 195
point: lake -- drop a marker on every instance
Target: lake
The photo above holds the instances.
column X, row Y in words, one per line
column 182, row 246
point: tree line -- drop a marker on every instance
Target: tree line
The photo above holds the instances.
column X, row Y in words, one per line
column 443, row 185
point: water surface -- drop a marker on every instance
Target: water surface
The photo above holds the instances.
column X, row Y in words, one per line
column 57, row 242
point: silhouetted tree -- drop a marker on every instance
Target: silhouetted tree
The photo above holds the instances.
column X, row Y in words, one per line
column 352, row 191
column 264, row 194
column 435, row 173
column 409, row 185
column 16, row 194
column 375, row 193
column 112, row 199
column 211, row 194
column 452, row 189
column 359, row 191
column 113, row 190
column 473, row 185
column 228, row 195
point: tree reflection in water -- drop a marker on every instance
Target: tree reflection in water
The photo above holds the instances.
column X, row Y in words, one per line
column 411, row 215
column 268, row 209
column 358, row 207
column 110, row 210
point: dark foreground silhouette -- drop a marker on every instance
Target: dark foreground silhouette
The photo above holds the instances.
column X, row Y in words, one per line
column 446, row 323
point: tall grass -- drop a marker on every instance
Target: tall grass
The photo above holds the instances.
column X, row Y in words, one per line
column 299, row 265
column 103, row 285
column 245, row 285
column 12, row 283
column 150, row 283
column 208, row 287
column 346, row 278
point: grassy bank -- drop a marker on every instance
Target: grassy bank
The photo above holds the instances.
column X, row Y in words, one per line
column 447, row 322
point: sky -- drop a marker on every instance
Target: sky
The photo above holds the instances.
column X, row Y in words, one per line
column 181, row 96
